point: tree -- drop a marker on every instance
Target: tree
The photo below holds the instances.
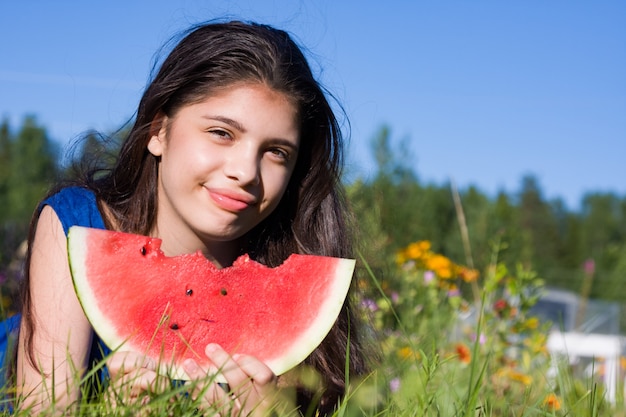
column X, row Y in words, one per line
column 540, row 238
column 5, row 167
column 33, row 168
column 603, row 236
column 28, row 166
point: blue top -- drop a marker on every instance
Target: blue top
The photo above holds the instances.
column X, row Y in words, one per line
column 74, row 206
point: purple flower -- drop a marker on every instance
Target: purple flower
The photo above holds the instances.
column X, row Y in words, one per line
column 395, row 296
column 394, row 385
column 589, row 266
column 369, row 304
column 429, row 276
column 454, row 292
column 481, row 339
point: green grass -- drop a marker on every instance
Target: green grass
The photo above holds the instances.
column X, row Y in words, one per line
column 444, row 354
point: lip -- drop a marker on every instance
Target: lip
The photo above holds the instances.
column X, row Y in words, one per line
column 231, row 200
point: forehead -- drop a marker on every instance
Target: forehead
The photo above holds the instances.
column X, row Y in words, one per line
column 243, row 95
column 222, row 90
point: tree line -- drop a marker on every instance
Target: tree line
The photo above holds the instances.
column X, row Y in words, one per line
column 583, row 251
column 392, row 208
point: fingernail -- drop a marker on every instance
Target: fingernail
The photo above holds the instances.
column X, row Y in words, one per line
column 210, row 348
column 190, row 366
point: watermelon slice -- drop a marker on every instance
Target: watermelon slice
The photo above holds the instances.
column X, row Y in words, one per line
column 170, row 308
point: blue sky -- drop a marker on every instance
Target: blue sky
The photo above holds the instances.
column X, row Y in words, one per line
column 484, row 92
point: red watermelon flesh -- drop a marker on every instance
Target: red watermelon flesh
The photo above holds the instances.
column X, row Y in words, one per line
column 170, row 308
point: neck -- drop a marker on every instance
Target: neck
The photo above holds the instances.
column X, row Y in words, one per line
column 221, row 254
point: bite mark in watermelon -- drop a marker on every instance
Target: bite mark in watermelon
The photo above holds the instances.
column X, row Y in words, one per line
column 170, row 308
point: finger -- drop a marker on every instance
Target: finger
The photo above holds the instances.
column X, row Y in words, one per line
column 202, row 383
column 252, row 383
column 241, row 370
column 263, row 395
column 139, row 383
column 208, row 393
column 226, row 365
column 195, row 371
column 255, row 369
column 133, row 374
column 221, row 401
column 121, row 361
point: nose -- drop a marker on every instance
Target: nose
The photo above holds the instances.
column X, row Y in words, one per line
column 242, row 165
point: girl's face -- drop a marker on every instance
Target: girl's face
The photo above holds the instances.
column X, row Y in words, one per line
column 225, row 163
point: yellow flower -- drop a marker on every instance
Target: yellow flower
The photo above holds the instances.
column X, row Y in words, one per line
column 532, row 323
column 408, row 353
column 520, row 377
column 401, row 258
column 536, row 343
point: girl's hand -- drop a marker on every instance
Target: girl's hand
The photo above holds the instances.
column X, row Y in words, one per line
column 132, row 377
column 251, row 389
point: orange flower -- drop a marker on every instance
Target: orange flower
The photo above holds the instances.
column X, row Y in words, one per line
column 362, row 284
column 465, row 356
column 468, row 275
column 552, row 402
column 417, row 250
column 440, row 265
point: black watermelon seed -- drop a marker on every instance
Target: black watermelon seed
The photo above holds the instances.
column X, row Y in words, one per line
column 174, row 326
column 189, row 292
column 223, row 291
column 143, row 250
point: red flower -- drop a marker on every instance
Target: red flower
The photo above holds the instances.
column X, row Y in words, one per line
column 465, row 356
column 500, row 306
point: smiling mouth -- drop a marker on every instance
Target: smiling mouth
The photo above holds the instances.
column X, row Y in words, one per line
column 230, row 202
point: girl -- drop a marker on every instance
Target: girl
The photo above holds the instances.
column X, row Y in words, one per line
column 235, row 149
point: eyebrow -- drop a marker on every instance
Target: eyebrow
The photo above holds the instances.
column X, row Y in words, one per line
column 228, row 121
column 286, row 143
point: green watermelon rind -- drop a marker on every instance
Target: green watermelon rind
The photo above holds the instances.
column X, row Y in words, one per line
column 77, row 253
column 300, row 349
column 326, row 317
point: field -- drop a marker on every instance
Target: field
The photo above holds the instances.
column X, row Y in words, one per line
column 454, row 342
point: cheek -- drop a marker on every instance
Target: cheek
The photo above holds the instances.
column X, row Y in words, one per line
column 282, row 179
column 196, row 161
column 275, row 183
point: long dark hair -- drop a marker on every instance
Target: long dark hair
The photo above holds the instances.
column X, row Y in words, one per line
column 311, row 218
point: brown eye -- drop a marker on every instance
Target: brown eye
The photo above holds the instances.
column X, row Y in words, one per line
column 220, row 134
column 279, row 154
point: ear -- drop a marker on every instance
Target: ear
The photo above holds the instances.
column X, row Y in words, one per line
column 158, row 133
